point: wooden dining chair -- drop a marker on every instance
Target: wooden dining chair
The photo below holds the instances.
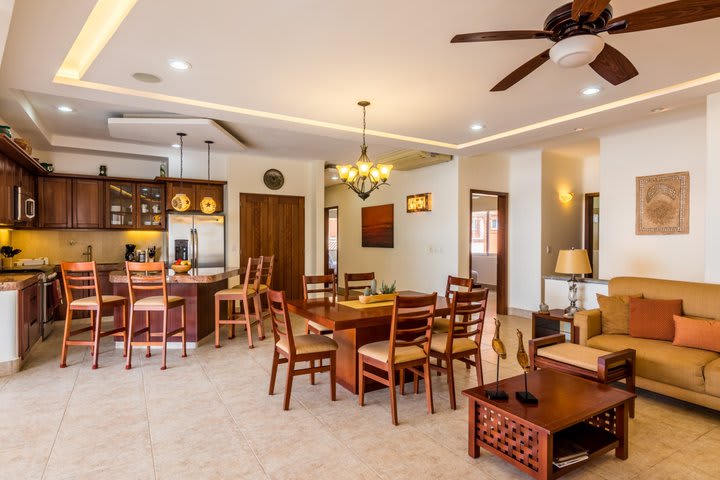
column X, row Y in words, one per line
column 318, row 284
column 81, row 277
column 412, row 317
column 145, row 277
column 266, row 274
column 462, row 339
column 291, row 349
column 357, row 277
column 243, row 293
column 454, row 284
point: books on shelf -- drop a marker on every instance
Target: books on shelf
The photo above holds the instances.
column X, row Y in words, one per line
column 572, row 461
column 566, row 452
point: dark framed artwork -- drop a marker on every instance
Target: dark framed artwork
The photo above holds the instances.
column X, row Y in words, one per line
column 377, row 226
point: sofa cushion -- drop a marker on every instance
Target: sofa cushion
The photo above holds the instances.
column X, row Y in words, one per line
column 650, row 318
column 661, row 361
column 712, row 378
column 615, row 313
column 699, row 299
column 697, row 333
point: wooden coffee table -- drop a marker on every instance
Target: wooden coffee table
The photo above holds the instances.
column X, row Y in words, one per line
column 595, row 416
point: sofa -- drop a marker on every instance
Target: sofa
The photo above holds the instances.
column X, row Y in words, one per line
column 689, row 374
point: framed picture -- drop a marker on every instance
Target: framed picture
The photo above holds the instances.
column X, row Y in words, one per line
column 662, row 204
column 377, row 226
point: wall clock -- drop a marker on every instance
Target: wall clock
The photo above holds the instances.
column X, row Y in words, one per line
column 274, row 179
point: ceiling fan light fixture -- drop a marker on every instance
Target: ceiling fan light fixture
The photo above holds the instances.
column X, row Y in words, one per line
column 577, row 50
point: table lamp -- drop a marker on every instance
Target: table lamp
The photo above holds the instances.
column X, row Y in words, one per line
column 573, row 262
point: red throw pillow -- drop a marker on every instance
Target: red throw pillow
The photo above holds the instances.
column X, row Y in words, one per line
column 697, row 333
column 653, row 318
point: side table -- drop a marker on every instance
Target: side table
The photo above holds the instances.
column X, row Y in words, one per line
column 548, row 323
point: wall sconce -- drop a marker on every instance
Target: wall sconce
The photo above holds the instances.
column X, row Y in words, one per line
column 566, row 197
column 422, row 202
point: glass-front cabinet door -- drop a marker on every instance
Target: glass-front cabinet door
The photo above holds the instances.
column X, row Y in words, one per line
column 151, row 206
column 120, row 205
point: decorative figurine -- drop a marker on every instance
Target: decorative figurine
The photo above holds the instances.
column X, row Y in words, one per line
column 103, row 171
column 522, row 357
column 499, row 347
column 151, row 253
column 163, row 170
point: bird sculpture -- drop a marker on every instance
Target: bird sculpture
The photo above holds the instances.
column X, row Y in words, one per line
column 497, row 345
column 522, row 356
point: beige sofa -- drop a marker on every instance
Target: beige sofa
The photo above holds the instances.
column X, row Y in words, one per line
column 688, row 374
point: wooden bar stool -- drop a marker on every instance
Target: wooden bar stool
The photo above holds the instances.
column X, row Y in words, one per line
column 411, row 316
column 266, row 276
column 243, row 293
column 292, row 349
column 357, row 277
column 144, row 277
column 82, row 277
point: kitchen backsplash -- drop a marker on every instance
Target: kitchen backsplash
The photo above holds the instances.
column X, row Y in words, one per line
column 67, row 245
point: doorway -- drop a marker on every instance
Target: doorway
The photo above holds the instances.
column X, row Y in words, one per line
column 275, row 225
column 488, row 243
column 592, row 231
column 331, row 241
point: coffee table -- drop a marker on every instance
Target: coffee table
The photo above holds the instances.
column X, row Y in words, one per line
column 593, row 415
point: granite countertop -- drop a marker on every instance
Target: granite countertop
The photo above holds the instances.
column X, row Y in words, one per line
column 121, row 277
column 17, row 281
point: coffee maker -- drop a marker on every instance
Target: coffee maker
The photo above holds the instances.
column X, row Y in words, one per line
column 129, row 252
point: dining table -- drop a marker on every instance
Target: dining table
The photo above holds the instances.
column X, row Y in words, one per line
column 353, row 325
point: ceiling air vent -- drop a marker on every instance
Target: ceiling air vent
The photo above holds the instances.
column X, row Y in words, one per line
column 412, row 159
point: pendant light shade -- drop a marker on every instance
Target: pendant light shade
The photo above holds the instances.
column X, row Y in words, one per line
column 180, row 201
column 208, row 204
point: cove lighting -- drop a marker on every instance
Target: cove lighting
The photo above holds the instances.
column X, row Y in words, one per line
column 590, row 91
column 180, row 64
column 65, row 109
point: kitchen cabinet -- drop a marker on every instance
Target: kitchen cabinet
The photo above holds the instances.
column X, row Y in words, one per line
column 214, row 191
column 120, row 199
column 87, row 203
column 195, row 190
column 135, row 205
column 151, row 198
column 54, row 202
column 29, row 327
column 174, row 188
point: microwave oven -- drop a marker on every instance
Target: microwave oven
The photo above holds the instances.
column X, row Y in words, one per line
column 24, row 206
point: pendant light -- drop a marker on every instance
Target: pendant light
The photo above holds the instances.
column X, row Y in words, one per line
column 180, row 202
column 208, row 204
column 364, row 178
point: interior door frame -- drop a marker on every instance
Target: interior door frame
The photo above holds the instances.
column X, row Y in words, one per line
column 327, row 238
column 502, row 255
column 588, row 234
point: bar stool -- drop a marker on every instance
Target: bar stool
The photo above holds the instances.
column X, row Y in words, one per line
column 292, row 349
column 247, row 290
column 143, row 277
column 82, row 277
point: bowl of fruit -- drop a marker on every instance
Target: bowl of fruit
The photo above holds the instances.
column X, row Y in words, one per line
column 181, row 266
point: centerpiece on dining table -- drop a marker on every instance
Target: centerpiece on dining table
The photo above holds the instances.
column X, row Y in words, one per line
column 372, row 295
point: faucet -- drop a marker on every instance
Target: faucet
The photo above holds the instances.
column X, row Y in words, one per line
column 88, row 253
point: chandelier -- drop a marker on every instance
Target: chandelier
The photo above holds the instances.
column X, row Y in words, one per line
column 364, row 177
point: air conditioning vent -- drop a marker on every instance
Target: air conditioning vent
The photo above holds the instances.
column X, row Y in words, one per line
column 413, row 159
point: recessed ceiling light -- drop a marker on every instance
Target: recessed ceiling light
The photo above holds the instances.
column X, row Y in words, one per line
column 65, row 109
column 334, row 177
column 180, row 64
column 659, row 110
column 476, row 127
column 146, row 77
column 175, row 145
column 590, row 91
column 579, row 129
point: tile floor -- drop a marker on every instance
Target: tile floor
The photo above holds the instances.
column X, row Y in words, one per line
column 209, row 416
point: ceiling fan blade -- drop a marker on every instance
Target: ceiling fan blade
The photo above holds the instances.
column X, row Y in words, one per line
column 506, row 35
column 669, row 14
column 523, row 71
column 591, row 9
column 613, row 66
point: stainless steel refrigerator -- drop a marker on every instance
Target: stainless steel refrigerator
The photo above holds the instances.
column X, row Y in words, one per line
column 198, row 238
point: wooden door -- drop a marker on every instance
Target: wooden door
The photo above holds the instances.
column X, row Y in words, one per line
column 275, row 225
column 87, row 203
column 54, row 202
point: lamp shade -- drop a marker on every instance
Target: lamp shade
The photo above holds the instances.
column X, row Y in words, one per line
column 573, row 261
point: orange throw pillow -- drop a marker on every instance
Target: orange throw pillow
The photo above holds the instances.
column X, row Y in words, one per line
column 697, row 333
column 653, row 318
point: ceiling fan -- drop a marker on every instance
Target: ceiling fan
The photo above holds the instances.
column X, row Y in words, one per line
column 575, row 29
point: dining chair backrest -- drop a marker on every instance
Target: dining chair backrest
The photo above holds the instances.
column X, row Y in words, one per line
column 253, row 272
column 146, row 276
column 80, row 277
column 281, row 324
column 358, row 277
column 267, row 270
column 326, row 285
column 467, row 311
column 412, row 318
column 458, row 284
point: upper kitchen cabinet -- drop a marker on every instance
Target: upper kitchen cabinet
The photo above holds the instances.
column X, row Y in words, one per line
column 18, row 172
column 216, row 192
column 87, row 203
column 120, row 201
column 151, row 198
column 55, row 202
column 196, row 190
column 132, row 205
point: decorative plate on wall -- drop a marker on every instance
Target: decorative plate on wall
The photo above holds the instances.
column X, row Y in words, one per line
column 274, row 179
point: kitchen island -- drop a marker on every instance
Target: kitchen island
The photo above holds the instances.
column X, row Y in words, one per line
column 198, row 289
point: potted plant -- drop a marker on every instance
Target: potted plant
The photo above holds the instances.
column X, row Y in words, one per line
column 8, row 253
column 371, row 295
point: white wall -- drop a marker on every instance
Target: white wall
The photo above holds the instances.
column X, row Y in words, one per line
column 672, row 142
column 88, row 164
column 425, row 250
column 712, row 189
